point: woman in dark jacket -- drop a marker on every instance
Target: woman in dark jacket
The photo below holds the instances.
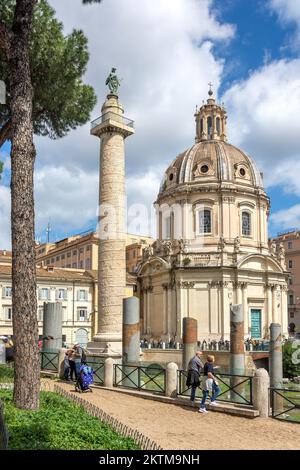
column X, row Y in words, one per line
column 194, row 369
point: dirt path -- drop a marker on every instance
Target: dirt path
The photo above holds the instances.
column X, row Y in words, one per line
column 175, row 427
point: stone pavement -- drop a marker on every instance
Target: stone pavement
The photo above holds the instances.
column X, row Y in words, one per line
column 175, row 427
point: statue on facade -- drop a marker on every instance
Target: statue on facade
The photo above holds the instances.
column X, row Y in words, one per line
column 181, row 246
column 113, row 82
column 273, row 248
column 281, row 255
column 237, row 244
column 147, row 252
column 222, row 244
column 167, row 248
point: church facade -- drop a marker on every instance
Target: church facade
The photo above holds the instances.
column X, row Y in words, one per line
column 212, row 242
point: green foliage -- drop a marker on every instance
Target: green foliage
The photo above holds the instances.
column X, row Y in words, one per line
column 1, row 169
column 59, row 424
column 61, row 100
column 289, row 369
column 6, row 374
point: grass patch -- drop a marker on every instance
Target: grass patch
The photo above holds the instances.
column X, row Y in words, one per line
column 59, row 425
column 6, row 374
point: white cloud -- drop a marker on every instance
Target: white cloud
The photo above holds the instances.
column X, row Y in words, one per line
column 287, row 10
column 68, row 198
column 263, row 120
column 287, row 218
column 163, row 52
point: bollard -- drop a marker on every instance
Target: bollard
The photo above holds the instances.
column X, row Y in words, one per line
column 109, row 372
column 131, row 330
column 149, row 345
column 275, row 356
column 171, row 380
column 237, row 353
column 261, row 385
column 177, row 346
column 61, row 363
column 163, row 345
column 189, row 340
column 275, row 365
column 2, row 353
column 52, row 325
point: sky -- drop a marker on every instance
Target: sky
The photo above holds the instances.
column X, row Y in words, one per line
column 166, row 53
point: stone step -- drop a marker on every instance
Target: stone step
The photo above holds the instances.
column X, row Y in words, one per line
column 222, row 407
column 247, row 411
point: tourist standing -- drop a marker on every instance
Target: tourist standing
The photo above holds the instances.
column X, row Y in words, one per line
column 67, row 367
column 209, row 384
column 72, row 356
column 194, row 370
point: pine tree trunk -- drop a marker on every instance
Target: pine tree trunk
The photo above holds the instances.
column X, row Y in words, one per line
column 25, row 326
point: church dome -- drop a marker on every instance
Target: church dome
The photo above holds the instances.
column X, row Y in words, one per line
column 212, row 160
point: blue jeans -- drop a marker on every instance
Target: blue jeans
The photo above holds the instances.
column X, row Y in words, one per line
column 215, row 392
column 193, row 392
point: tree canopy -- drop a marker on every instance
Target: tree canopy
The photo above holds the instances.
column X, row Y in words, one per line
column 61, row 100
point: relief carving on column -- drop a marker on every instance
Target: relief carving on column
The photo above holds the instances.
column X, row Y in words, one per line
column 214, row 284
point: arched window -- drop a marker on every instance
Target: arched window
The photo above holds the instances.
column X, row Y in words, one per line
column 246, row 224
column 201, row 126
column 218, row 125
column 205, row 221
column 209, row 126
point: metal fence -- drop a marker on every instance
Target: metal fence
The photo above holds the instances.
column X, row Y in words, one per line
column 98, row 368
column 114, row 117
column 235, row 388
column 285, row 404
column 148, row 379
column 49, row 361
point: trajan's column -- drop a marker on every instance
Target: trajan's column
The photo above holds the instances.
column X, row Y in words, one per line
column 112, row 128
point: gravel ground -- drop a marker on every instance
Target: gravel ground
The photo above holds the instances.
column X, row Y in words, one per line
column 181, row 428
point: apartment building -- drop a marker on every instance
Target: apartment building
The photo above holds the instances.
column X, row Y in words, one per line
column 81, row 252
column 291, row 245
column 74, row 289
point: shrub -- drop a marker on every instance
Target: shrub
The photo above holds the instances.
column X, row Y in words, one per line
column 289, row 368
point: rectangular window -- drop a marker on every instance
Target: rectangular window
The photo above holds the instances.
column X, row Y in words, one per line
column 88, row 248
column 80, row 250
column 69, row 254
column 290, row 281
column 63, row 256
column 88, row 264
column 205, row 221
column 68, row 265
column 290, row 263
column 74, row 265
column 61, row 294
column 52, row 260
column 48, row 261
column 292, row 315
column 82, row 314
column 7, row 292
column 8, row 313
column 44, row 294
column 291, row 299
column 74, row 252
column 82, row 294
column 290, row 245
column 57, row 258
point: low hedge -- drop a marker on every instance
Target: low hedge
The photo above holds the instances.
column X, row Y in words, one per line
column 58, row 425
column 6, row 374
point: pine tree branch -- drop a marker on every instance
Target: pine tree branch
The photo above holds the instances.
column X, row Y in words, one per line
column 5, row 133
